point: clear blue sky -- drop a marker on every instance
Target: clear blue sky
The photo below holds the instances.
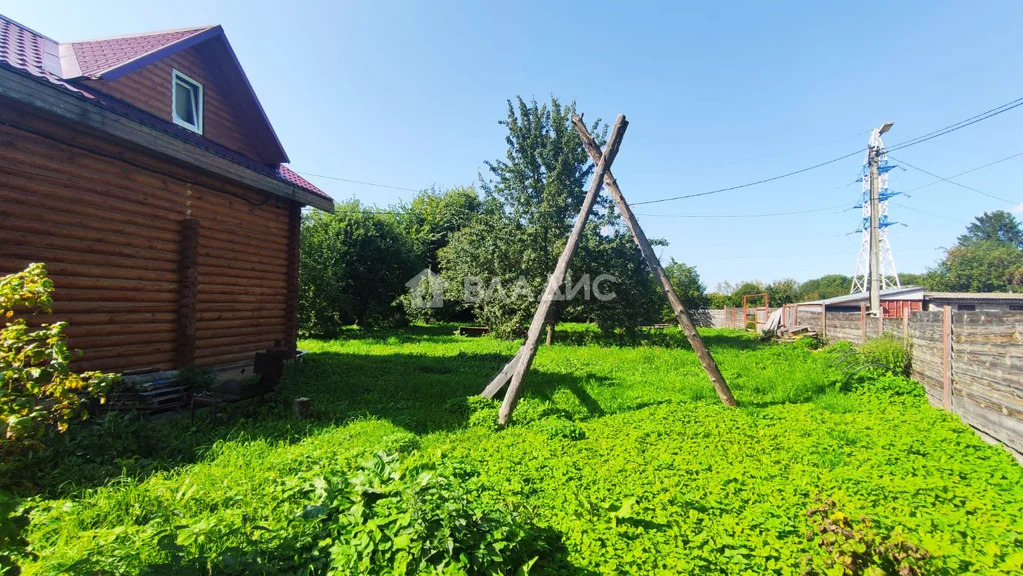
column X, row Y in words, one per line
column 409, row 94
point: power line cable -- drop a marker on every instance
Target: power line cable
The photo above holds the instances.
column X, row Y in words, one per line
column 362, row 182
column 911, row 142
column 958, row 125
column 748, row 184
column 989, row 164
column 942, row 178
column 767, row 215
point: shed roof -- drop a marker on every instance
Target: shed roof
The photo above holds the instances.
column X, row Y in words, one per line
column 901, row 293
column 29, row 52
column 986, row 296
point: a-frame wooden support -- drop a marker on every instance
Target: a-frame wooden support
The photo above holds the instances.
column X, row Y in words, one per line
column 516, row 369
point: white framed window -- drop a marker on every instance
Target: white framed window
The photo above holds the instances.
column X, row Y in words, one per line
column 186, row 102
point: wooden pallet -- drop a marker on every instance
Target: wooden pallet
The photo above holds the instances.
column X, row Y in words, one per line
column 151, row 398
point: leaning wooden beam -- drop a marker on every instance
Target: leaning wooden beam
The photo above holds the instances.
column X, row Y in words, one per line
column 528, row 351
column 503, row 377
column 681, row 314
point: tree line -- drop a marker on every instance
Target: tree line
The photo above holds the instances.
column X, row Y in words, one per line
column 483, row 253
column 502, row 236
column 988, row 257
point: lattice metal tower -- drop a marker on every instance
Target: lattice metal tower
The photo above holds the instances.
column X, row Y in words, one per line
column 888, row 276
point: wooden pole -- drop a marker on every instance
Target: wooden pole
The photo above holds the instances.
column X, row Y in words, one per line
column 528, row 350
column 824, row 322
column 681, row 314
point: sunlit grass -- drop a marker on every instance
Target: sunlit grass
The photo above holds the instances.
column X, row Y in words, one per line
column 714, row 490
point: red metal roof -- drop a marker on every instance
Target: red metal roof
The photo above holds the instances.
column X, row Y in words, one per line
column 27, row 51
column 97, row 56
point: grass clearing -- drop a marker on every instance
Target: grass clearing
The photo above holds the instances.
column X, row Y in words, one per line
column 620, row 460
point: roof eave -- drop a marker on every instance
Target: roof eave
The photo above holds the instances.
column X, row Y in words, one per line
column 38, row 93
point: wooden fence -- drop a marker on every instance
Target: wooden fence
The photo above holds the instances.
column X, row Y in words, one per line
column 969, row 363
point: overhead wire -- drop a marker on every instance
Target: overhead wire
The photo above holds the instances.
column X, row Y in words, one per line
column 963, row 173
column 942, row 178
column 911, row 142
column 362, row 182
column 958, row 125
column 766, row 215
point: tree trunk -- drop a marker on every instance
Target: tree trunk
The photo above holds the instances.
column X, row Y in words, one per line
column 550, row 333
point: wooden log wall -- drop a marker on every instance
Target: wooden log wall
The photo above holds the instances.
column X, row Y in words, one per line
column 107, row 219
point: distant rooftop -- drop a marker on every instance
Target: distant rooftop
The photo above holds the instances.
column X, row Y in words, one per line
column 901, row 293
column 989, row 296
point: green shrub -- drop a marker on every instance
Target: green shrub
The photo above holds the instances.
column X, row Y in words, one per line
column 887, row 353
column 38, row 390
column 857, row 549
column 197, row 379
column 390, row 519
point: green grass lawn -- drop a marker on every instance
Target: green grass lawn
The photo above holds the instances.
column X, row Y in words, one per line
column 620, row 460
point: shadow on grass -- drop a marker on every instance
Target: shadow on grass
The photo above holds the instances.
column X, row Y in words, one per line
column 418, row 393
column 672, row 338
column 421, row 394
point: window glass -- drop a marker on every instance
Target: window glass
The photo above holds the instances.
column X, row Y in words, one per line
column 184, row 103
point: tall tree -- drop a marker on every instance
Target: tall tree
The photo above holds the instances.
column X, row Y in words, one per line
column 433, row 216
column 997, row 226
column 980, row 266
column 783, row 291
column 353, row 265
column 533, row 196
column 827, row 286
column 747, row 288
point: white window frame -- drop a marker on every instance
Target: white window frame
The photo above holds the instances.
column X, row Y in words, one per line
column 192, row 83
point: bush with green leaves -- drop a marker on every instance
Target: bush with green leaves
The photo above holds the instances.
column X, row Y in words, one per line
column 353, row 266
column 857, row 548
column 391, row 518
column 38, row 390
column 888, row 353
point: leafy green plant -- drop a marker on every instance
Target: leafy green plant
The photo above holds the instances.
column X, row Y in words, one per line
column 38, row 389
column 855, row 548
column 888, row 353
column 665, row 480
column 197, row 379
column 394, row 519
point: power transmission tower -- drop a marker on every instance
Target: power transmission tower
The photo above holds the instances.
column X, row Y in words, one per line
column 875, row 268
